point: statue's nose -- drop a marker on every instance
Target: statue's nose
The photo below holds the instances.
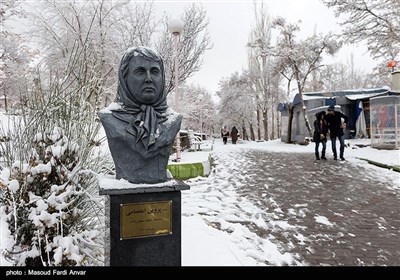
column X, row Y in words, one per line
column 148, row 76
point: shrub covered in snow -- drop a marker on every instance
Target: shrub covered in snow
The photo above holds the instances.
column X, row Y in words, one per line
column 50, row 155
column 45, row 204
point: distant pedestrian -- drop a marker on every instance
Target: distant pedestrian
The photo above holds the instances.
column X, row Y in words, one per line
column 224, row 134
column 320, row 131
column 234, row 135
column 336, row 122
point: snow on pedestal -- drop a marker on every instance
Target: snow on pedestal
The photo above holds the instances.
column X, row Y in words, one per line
column 111, row 186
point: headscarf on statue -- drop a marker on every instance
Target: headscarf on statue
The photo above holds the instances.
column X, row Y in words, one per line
column 144, row 125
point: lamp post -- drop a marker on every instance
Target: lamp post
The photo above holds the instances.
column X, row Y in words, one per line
column 205, row 125
column 5, row 103
column 200, row 98
column 175, row 26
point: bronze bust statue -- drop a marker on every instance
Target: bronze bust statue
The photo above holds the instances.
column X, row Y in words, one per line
column 139, row 125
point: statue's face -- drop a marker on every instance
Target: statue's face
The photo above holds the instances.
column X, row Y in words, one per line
column 144, row 80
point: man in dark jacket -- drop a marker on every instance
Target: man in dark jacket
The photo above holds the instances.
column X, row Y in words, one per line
column 336, row 126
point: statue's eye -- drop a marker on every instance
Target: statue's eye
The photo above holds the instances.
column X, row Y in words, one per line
column 155, row 71
column 139, row 71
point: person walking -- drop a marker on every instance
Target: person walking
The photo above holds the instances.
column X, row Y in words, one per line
column 320, row 131
column 336, row 122
column 234, row 135
column 224, row 134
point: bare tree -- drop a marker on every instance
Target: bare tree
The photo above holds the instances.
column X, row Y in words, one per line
column 10, row 9
column 259, row 66
column 237, row 105
column 102, row 30
column 288, row 74
column 15, row 55
column 345, row 76
column 98, row 29
column 193, row 109
column 193, row 42
column 303, row 56
column 375, row 21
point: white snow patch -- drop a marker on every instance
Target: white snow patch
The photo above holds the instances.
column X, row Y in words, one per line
column 113, row 106
column 323, row 220
column 13, row 185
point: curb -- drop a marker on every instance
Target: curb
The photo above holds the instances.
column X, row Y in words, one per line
column 390, row 167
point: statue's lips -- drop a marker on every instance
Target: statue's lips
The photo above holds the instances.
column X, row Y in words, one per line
column 149, row 89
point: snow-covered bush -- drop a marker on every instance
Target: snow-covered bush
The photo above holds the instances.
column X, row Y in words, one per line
column 44, row 203
column 50, row 155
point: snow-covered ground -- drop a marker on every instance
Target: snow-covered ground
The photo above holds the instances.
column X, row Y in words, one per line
column 358, row 148
column 204, row 245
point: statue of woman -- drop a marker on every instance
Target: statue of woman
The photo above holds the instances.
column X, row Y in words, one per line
column 139, row 125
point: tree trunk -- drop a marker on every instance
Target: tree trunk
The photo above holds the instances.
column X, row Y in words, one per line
column 289, row 130
column 304, row 109
column 5, row 103
column 258, row 125
column 244, row 132
column 252, row 134
column 273, row 124
column 278, row 125
column 265, row 123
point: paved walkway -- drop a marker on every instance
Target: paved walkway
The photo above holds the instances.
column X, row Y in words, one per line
column 343, row 214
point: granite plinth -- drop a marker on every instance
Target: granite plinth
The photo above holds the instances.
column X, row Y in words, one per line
column 158, row 250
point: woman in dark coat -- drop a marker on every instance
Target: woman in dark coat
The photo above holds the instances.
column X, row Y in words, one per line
column 320, row 131
column 234, row 135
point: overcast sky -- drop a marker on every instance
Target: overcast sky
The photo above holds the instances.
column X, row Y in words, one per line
column 230, row 24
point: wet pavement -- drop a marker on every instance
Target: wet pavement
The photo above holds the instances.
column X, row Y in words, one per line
column 327, row 212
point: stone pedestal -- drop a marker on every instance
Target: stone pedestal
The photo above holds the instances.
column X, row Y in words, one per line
column 145, row 222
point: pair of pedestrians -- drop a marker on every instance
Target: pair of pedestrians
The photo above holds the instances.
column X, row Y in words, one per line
column 334, row 122
column 225, row 134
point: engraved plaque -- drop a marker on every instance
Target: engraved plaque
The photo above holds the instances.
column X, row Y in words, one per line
column 146, row 219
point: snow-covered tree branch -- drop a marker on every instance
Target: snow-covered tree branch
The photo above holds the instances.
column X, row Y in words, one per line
column 302, row 56
column 376, row 22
